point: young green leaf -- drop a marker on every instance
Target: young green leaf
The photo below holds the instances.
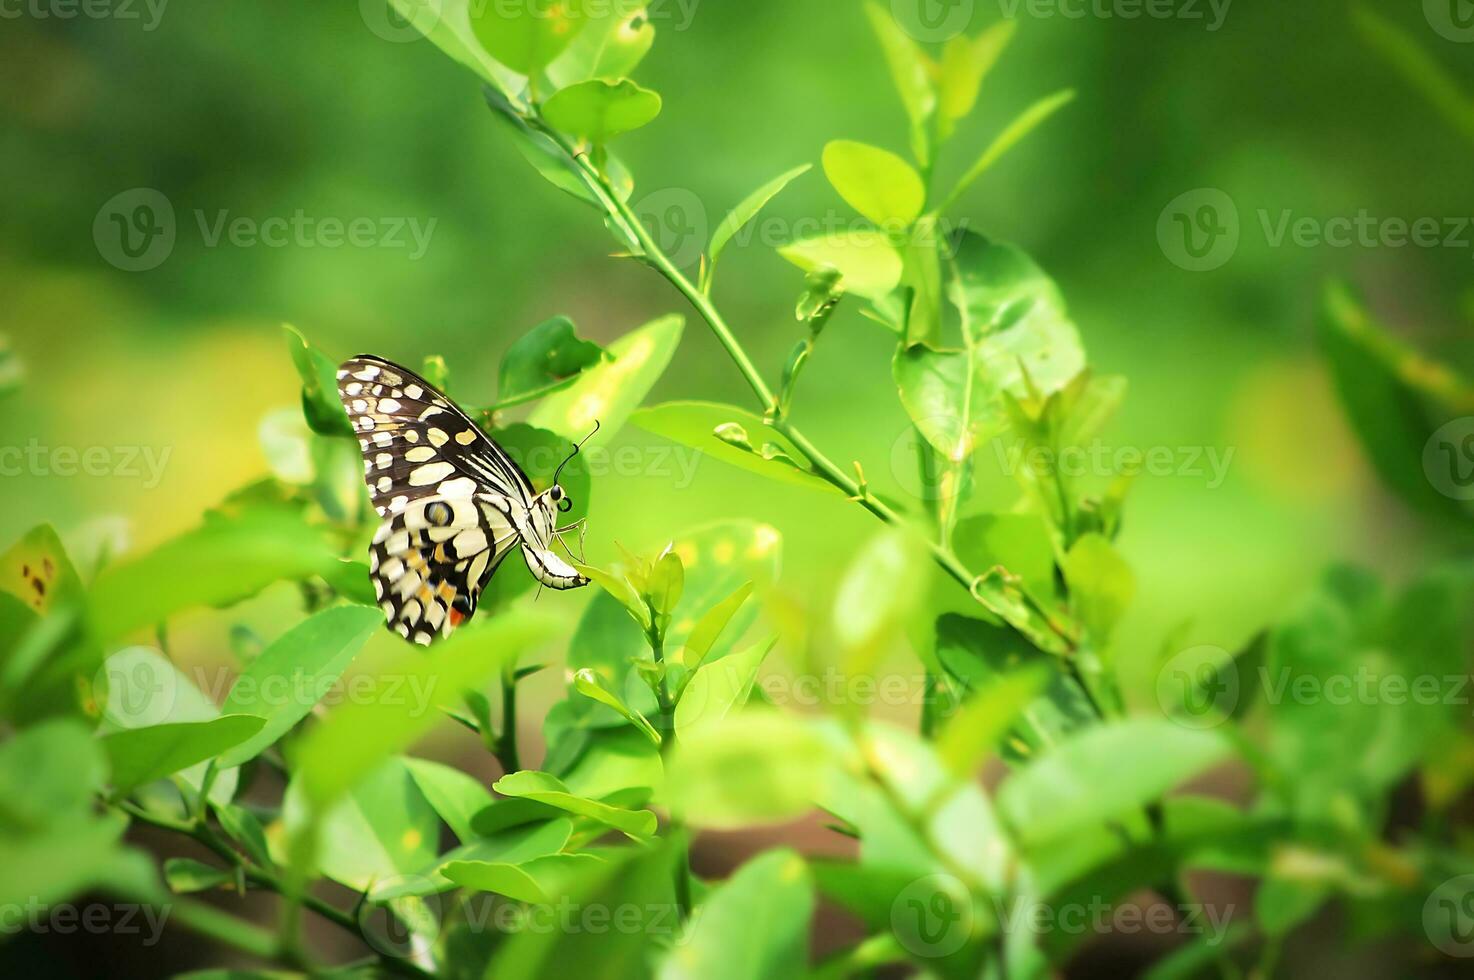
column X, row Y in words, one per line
column 911, row 71
column 869, row 265
column 608, row 392
column 539, row 150
column 186, row 875
column 1101, row 585
column 141, row 755
column 710, row 626
column 319, row 373
column 883, row 586
column 665, row 584
column 548, row 357
column 973, row 733
column 282, row 684
column 447, row 24
column 751, row 445
column 1022, row 125
column 744, row 212
column 49, row 775
column 542, row 787
column 875, row 182
column 719, row 688
column 965, row 63
column 599, row 110
column 525, row 35
column 544, row 880
column 586, row 682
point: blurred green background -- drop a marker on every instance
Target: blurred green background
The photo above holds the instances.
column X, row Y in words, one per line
column 262, row 110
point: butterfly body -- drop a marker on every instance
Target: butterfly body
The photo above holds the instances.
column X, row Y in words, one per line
column 453, row 504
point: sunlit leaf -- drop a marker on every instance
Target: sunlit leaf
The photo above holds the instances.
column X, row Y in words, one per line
column 140, row 755
column 548, row 357
column 543, row 880
column 1024, row 124
column 866, row 260
column 719, row 688
column 186, row 875
column 1101, row 584
column 745, row 211
column 966, row 61
column 607, row 393
column 288, row 678
column 614, row 43
column 875, row 182
column 525, row 35
column 731, row 435
column 541, row 787
column 447, row 23
column 456, row 796
column 911, row 72
column 598, row 110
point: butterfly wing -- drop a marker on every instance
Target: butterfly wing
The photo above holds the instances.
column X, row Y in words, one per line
column 446, row 493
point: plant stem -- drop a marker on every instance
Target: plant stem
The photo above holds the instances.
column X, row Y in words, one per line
column 202, row 834
column 667, row 742
column 506, row 743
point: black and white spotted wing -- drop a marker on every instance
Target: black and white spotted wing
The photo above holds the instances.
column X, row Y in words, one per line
column 453, row 503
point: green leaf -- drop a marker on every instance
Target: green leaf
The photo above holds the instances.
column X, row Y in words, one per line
column 49, row 775
column 632, row 878
column 447, row 24
column 454, row 795
column 1019, row 341
column 44, row 869
column 978, row 654
column 884, row 584
column 141, row 755
column 758, row 767
column 525, row 35
column 911, row 72
column 875, row 182
column 974, row 732
column 357, row 736
column 542, row 787
column 586, row 682
column 710, row 626
column 867, row 262
column 242, row 826
column 618, row 587
column 965, row 63
column 186, row 875
column 548, row 357
column 1101, row 585
column 719, row 688
column 379, row 830
column 545, row 156
column 1083, row 781
column 1018, row 542
column 1403, row 406
column 1024, row 124
column 37, row 571
column 614, row 43
column 666, row 583
column 543, row 880
column 753, row 926
column 319, row 373
column 744, row 212
column 744, row 441
column 290, row 676
column 609, row 392
column 598, row 110
column 231, row 557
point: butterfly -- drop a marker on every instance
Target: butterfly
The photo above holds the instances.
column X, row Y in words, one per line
column 453, row 504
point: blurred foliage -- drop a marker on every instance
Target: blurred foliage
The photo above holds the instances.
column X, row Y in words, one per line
column 1155, row 667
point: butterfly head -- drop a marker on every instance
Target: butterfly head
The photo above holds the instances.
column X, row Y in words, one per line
column 560, row 498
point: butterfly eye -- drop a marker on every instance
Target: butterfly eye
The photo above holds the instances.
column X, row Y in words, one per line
column 555, row 494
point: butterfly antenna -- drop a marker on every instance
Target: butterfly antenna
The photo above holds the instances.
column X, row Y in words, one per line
column 576, row 447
